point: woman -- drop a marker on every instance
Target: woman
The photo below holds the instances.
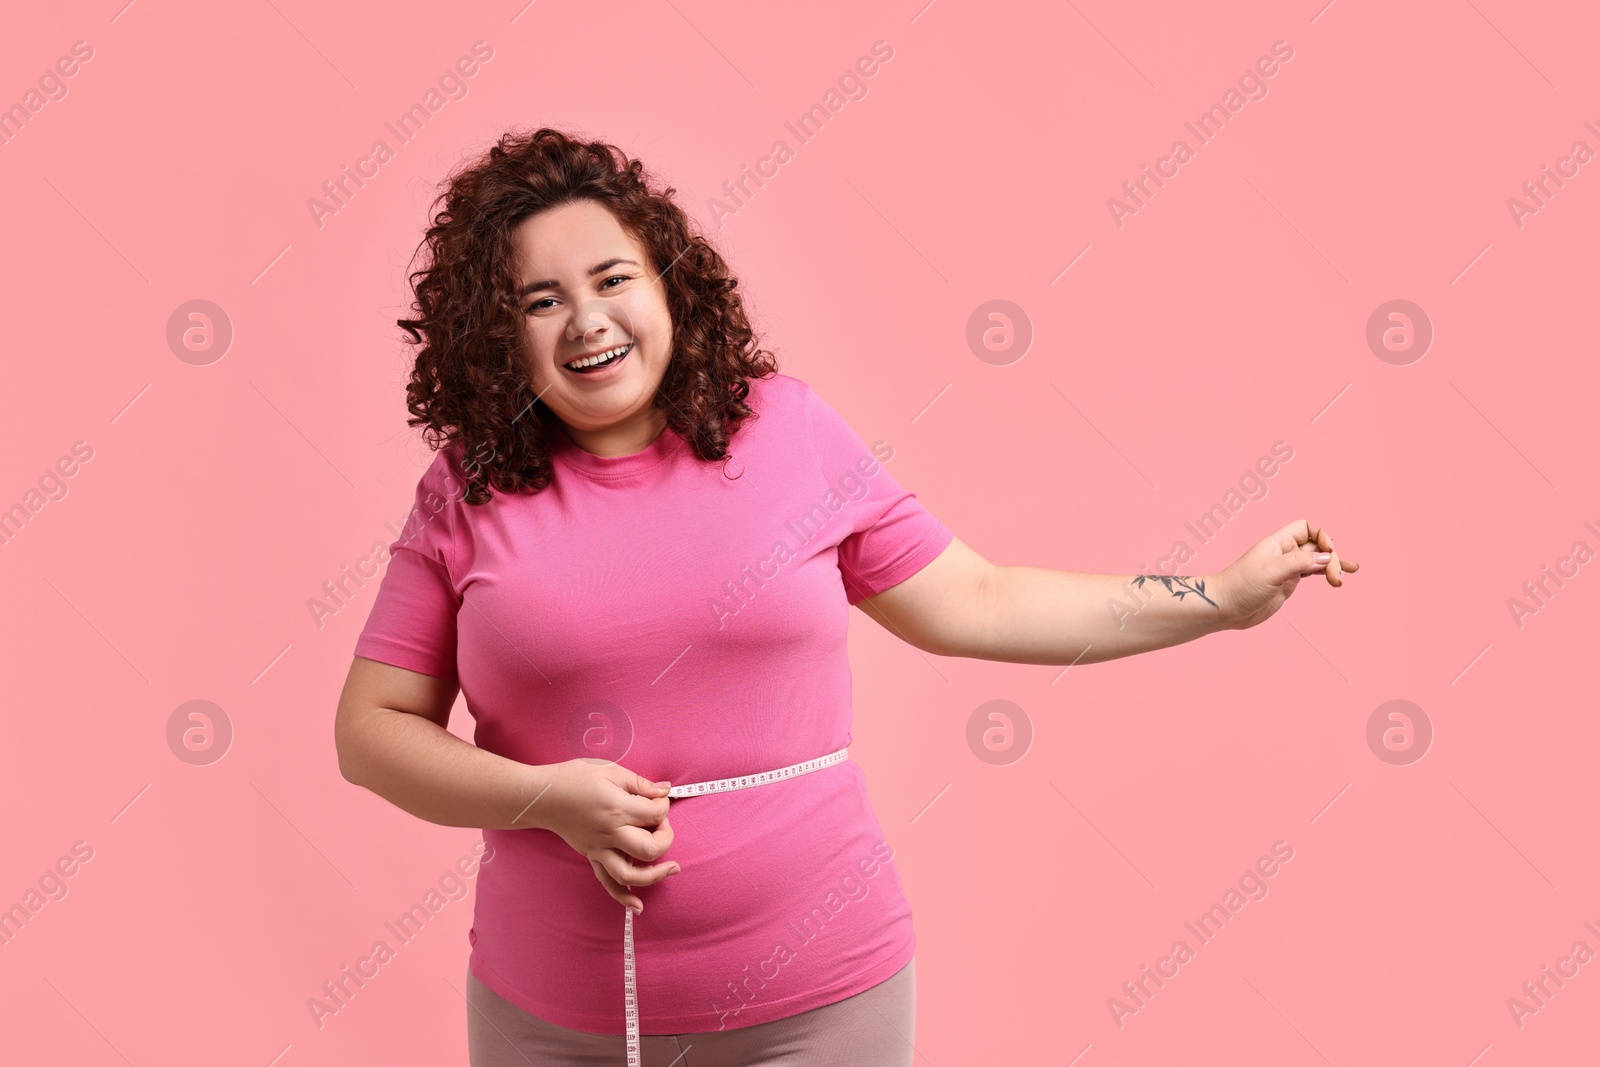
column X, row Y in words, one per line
column 635, row 554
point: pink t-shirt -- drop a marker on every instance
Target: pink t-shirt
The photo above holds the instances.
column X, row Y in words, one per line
column 689, row 624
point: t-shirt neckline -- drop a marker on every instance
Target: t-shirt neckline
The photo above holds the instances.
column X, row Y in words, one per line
column 606, row 468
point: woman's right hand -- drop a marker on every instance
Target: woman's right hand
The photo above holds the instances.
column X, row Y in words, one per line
column 611, row 816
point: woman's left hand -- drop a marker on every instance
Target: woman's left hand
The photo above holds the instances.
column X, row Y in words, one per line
column 1254, row 586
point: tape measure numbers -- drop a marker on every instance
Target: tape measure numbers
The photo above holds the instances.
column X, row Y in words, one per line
column 630, row 966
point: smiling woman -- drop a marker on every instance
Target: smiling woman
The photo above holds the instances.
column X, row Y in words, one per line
column 599, row 338
column 552, row 250
column 590, row 350
column 590, row 353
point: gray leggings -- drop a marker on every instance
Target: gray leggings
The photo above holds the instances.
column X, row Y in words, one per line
column 874, row 1028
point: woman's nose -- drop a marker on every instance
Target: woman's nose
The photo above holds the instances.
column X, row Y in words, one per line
column 588, row 323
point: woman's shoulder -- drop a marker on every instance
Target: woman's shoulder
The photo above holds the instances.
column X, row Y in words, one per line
column 779, row 392
column 443, row 483
column 448, row 465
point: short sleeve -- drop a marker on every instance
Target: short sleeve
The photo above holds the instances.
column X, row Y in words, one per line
column 891, row 534
column 413, row 619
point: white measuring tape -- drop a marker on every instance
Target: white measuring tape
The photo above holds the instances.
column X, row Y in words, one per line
column 630, row 971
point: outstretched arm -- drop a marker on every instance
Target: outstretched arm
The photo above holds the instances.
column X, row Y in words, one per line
column 962, row 605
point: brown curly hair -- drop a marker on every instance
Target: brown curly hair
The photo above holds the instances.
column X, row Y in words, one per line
column 469, row 386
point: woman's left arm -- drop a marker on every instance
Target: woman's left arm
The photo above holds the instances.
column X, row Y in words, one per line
column 962, row 605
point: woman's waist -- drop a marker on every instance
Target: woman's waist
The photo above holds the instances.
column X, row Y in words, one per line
column 744, row 854
column 800, row 820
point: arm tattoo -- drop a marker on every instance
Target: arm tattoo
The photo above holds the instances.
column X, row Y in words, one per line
column 1183, row 582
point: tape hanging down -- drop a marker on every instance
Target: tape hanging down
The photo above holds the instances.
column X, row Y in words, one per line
column 630, row 966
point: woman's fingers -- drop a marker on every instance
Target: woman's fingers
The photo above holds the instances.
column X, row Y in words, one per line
column 1310, row 566
column 643, row 844
column 629, row 874
column 612, row 886
column 1325, row 543
column 619, row 875
column 1336, row 567
column 644, row 811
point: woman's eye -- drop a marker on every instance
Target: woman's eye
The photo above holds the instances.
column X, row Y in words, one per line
column 614, row 278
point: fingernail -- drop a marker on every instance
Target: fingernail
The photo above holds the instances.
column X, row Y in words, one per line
column 1323, row 557
column 663, row 785
column 676, row 868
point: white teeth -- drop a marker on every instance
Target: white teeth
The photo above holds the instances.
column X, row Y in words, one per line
column 601, row 358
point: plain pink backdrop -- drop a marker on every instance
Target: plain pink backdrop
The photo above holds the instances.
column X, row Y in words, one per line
column 1229, row 312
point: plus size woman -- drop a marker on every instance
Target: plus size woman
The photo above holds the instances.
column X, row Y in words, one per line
column 634, row 553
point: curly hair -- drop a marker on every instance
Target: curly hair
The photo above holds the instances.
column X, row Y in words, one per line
column 469, row 386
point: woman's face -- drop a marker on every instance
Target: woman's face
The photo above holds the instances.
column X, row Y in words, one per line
column 587, row 287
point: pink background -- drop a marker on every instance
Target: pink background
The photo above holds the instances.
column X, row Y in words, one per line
column 1228, row 313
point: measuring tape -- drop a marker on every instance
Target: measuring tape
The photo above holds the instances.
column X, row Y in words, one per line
column 630, row 971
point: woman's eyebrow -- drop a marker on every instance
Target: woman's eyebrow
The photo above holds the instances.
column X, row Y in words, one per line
column 534, row 287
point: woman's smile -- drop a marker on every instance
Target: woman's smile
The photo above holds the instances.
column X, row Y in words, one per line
column 604, row 370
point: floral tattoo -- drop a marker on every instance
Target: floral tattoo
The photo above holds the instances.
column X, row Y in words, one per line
column 1179, row 585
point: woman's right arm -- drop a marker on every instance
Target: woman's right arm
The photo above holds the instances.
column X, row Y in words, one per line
column 391, row 738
